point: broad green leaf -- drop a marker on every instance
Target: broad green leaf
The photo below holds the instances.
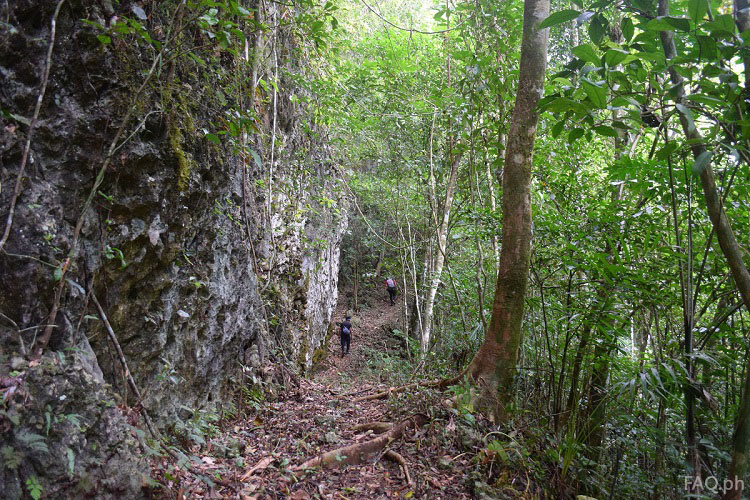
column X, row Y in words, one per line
column 557, row 128
column 702, row 162
column 679, row 23
column 562, row 104
column 71, row 461
column 659, row 24
column 587, row 52
column 627, row 29
column 598, row 27
column 707, row 100
column 256, row 158
column 614, row 57
column 721, row 24
column 706, row 47
column 559, row 17
column 620, row 125
column 574, row 135
column 605, row 130
column 697, row 10
column 667, row 150
column 688, row 116
column 596, row 93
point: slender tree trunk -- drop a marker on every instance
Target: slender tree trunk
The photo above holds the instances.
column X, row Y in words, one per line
column 575, row 375
column 494, row 366
column 442, row 238
column 442, row 235
column 381, row 258
column 459, row 302
column 493, row 203
column 355, row 305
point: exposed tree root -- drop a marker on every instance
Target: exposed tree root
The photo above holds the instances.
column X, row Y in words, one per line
column 437, row 384
column 395, row 457
column 376, row 427
column 361, row 452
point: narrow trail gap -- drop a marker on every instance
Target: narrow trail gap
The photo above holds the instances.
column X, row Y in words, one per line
column 320, row 416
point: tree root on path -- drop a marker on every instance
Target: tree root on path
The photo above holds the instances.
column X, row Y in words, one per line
column 361, row 452
column 436, row 384
column 392, row 390
column 395, row 457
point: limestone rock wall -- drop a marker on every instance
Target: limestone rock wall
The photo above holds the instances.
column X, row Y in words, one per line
column 202, row 260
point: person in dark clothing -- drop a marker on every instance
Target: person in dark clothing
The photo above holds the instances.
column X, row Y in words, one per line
column 390, row 285
column 346, row 335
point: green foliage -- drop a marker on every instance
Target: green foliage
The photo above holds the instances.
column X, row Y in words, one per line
column 33, row 441
column 34, row 487
column 11, row 457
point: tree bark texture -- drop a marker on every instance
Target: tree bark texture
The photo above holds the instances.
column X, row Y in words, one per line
column 494, row 365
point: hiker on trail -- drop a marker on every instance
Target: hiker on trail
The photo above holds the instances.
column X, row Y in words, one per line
column 346, row 335
column 390, row 285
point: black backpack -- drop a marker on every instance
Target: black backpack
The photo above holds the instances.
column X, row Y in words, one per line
column 345, row 329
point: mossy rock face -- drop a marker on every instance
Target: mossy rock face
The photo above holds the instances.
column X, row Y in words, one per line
column 64, row 430
column 183, row 298
column 183, row 161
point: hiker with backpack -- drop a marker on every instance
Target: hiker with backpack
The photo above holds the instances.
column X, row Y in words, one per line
column 346, row 335
column 390, row 285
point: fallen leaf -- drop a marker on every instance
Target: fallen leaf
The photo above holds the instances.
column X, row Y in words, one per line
column 265, row 462
column 451, row 427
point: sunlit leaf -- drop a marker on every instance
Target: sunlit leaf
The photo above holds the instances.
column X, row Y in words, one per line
column 559, row 17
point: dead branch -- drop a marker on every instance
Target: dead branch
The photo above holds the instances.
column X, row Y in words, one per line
column 376, row 427
column 361, row 452
column 124, row 362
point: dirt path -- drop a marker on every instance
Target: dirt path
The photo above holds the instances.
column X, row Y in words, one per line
column 319, row 417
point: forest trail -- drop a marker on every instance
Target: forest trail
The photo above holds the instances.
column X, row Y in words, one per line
column 258, row 456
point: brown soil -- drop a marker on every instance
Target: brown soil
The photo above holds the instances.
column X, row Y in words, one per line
column 319, row 416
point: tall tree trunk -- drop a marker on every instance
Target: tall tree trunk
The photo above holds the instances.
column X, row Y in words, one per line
column 381, row 258
column 494, row 365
